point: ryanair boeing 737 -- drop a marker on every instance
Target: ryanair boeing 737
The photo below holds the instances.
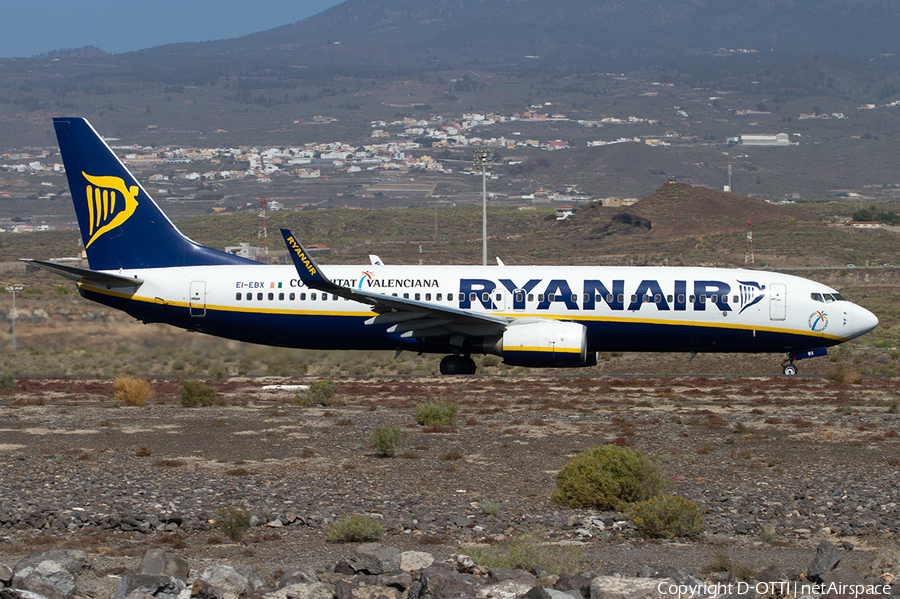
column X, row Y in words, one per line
column 538, row 316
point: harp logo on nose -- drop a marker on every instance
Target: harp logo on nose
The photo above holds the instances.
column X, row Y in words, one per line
column 110, row 203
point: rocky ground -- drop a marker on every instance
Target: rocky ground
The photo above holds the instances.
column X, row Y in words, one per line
column 777, row 464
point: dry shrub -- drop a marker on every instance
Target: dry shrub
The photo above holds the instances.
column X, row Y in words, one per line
column 666, row 517
column 608, row 477
column 132, row 390
column 843, row 375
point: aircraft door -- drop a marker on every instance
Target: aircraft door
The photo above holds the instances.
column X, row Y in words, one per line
column 518, row 299
column 500, row 299
column 777, row 301
column 198, row 299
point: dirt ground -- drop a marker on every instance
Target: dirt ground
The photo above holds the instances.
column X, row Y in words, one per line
column 777, row 464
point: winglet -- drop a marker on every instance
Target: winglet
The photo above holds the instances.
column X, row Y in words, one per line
column 306, row 266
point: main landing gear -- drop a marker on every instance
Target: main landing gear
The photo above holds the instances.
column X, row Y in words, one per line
column 458, row 365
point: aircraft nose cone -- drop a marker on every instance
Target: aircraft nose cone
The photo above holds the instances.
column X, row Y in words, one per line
column 863, row 321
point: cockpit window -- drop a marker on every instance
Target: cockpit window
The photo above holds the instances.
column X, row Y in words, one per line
column 816, row 297
column 828, row 298
column 838, row 297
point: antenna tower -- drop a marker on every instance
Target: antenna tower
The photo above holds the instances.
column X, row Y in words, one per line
column 748, row 255
column 262, row 236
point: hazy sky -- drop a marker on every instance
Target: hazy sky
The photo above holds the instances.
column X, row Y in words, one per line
column 29, row 27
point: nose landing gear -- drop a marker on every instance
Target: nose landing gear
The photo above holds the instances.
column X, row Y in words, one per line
column 788, row 368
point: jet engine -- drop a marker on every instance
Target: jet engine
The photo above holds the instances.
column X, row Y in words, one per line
column 545, row 343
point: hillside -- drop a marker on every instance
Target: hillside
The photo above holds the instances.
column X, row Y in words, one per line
column 400, row 33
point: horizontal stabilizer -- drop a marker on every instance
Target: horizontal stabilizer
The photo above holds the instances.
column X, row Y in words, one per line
column 86, row 275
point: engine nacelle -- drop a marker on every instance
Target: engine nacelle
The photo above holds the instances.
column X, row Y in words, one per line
column 545, row 343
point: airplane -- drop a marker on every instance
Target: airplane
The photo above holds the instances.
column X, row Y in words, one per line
column 533, row 316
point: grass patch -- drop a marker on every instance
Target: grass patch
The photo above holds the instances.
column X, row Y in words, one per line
column 194, row 393
column 389, row 440
column 233, row 522
column 319, row 393
column 354, row 529
column 436, row 413
column 525, row 551
column 722, row 562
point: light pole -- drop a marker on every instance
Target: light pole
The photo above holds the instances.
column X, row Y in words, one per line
column 483, row 162
column 13, row 289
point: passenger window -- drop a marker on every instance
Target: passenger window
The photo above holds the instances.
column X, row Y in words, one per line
column 669, row 298
column 498, row 297
column 587, row 297
column 520, row 297
column 485, row 297
column 302, row 297
column 646, row 298
column 292, row 297
column 427, row 297
column 621, row 297
column 551, row 297
column 657, row 298
column 281, row 297
column 271, row 296
column 724, row 299
column 530, row 297
column 393, row 295
column 312, row 296
column 693, row 298
column 703, row 298
column 735, row 299
column 405, row 296
column 633, row 298
column 237, row 296
column 473, row 296
column 680, row 298
column 249, row 296
column 714, row 299
column 439, row 297
column 259, row 296
column 418, row 296
column 540, row 297
column 609, row 298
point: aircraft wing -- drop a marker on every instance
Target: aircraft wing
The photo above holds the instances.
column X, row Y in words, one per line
column 410, row 317
column 86, row 275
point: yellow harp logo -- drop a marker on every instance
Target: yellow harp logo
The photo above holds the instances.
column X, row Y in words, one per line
column 109, row 204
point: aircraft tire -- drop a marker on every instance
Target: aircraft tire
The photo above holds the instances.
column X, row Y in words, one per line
column 453, row 365
column 790, row 370
column 471, row 367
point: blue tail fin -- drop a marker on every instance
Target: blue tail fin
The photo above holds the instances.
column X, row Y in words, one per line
column 121, row 225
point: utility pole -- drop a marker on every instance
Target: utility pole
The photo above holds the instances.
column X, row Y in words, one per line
column 13, row 289
column 748, row 255
column 262, row 234
column 483, row 162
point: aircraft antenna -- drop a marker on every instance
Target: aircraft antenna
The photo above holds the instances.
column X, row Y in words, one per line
column 262, row 236
column 748, row 255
